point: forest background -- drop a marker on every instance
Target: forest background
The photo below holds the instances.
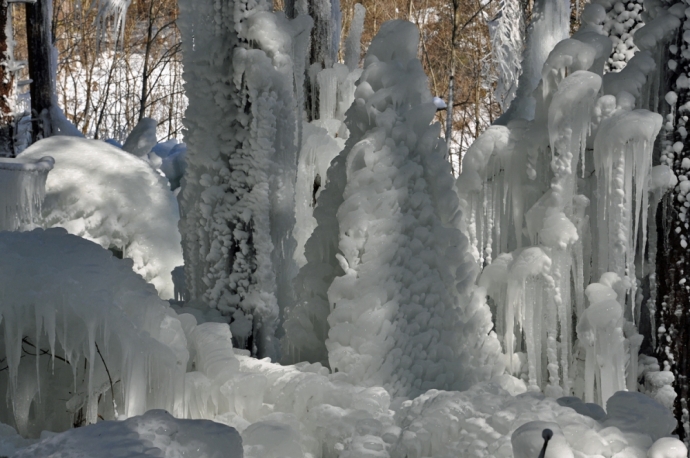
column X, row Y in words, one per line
column 109, row 78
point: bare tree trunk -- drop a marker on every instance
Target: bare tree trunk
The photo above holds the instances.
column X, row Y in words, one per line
column 39, row 41
column 6, row 83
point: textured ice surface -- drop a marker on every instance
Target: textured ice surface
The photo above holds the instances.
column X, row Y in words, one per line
column 154, row 434
column 106, row 195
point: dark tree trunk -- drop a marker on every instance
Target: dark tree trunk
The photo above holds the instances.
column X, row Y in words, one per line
column 673, row 257
column 39, row 40
column 6, row 83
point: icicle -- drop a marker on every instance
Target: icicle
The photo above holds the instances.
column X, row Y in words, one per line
column 113, row 11
column 353, row 43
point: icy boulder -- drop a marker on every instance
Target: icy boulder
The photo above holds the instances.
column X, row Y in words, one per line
column 22, row 189
column 142, row 139
column 154, row 434
column 106, row 195
column 84, row 336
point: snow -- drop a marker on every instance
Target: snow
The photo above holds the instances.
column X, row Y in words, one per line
column 115, row 199
column 154, row 434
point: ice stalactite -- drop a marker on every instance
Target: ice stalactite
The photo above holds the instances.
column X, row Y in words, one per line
column 600, row 331
column 22, row 189
column 623, row 164
column 237, row 201
column 111, row 18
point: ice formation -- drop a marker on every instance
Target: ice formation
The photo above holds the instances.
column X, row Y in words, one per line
column 237, row 201
column 115, row 199
column 83, row 335
column 559, row 198
column 22, row 190
column 306, row 326
column 621, row 21
column 398, row 317
column 507, row 42
column 111, row 18
column 550, row 24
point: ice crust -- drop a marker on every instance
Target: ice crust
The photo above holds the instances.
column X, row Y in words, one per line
column 115, row 199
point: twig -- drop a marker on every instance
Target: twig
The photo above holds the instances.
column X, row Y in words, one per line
column 112, row 390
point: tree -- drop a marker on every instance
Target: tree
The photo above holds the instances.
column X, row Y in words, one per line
column 39, row 34
column 6, row 83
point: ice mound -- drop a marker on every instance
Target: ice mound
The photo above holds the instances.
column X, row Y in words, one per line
column 154, row 434
column 83, row 336
column 115, row 199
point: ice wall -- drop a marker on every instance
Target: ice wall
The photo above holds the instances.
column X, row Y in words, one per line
column 22, row 190
column 237, row 201
column 559, row 198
